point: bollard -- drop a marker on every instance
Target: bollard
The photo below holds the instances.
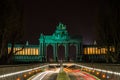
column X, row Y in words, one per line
column 97, row 73
column 29, row 73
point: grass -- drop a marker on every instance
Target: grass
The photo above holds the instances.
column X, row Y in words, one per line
column 63, row 76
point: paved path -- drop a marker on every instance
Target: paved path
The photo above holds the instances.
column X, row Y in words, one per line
column 82, row 76
column 74, row 75
column 79, row 75
column 47, row 75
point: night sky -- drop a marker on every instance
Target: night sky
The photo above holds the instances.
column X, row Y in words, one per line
column 43, row 17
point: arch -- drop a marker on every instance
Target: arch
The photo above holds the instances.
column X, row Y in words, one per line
column 60, row 41
column 61, row 52
column 49, row 54
column 72, row 53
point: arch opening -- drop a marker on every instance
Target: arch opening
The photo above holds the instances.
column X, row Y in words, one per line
column 72, row 53
column 49, row 55
column 61, row 53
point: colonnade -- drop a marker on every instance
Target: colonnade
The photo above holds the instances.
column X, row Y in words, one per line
column 43, row 51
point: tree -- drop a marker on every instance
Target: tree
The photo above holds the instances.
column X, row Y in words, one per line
column 11, row 26
column 108, row 28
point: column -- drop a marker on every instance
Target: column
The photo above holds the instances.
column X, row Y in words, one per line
column 46, row 59
column 80, row 52
column 55, row 52
column 77, row 51
column 41, row 51
column 44, row 52
column 66, row 51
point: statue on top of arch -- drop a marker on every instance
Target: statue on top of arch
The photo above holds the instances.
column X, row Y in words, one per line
column 61, row 26
column 61, row 32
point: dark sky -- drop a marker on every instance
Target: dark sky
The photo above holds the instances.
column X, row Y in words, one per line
column 42, row 16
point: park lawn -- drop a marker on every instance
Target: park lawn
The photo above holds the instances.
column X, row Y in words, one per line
column 63, row 76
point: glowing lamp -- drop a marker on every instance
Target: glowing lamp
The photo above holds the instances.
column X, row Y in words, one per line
column 24, row 75
column 103, row 76
column 33, row 71
column 97, row 73
column 18, row 79
column 89, row 70
column 29, row 72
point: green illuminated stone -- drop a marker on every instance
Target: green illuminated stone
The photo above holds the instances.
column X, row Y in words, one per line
column 59, row 37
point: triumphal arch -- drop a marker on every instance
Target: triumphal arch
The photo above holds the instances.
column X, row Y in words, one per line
column 60, row 46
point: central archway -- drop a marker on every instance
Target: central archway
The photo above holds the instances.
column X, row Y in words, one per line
column 49, row 53
column 61, row 52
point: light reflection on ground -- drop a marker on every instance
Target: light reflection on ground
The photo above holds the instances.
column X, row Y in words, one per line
column 79, row 75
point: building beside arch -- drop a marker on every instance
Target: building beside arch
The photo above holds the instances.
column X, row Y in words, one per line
column 59, row 46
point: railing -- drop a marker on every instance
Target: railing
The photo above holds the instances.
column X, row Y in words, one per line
column 22, row 75
column 101, row 73
column 26, row 58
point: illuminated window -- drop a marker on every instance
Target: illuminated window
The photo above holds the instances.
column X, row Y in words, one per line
column 113, row 49
column 36, row 51
column 23, row 51
column 98, row 50
column 17, row 50
column 103, row 50
column 85, row 51
column 93, row 50
column 20, row 52
column 28, row 49
column 32, row 51
column 110, row 48
column 9, row 49
column 14, row 50
column 90, row 50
